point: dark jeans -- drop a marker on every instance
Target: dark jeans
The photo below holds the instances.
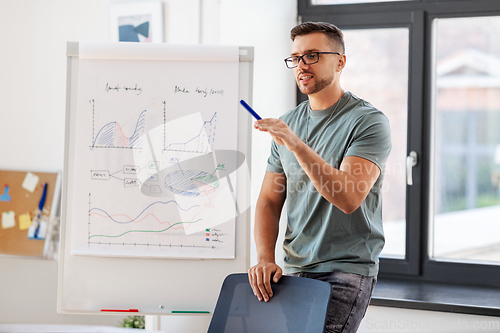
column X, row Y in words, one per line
column 351, row 295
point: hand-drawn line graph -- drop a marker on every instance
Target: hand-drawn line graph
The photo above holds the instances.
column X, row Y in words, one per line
column 138, row 218
column 111, row 134
column 146, row 228
column 147, row 231
column 202, row 142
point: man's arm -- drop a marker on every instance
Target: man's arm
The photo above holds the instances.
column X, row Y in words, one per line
column 346, row 187
column 267, row 215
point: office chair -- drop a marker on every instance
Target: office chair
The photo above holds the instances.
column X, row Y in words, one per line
column 299, row 305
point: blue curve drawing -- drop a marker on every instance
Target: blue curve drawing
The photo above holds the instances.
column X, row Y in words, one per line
column 154, row 203
column 111, row 135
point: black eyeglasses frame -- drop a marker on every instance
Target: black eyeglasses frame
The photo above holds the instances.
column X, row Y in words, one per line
column 299, row 58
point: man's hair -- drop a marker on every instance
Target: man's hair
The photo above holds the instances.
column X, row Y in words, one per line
column 330, row 30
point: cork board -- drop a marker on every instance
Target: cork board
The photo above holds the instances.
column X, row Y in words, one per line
column 14, row 241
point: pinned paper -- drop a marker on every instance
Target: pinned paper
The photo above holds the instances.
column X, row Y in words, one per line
column 30, row 182
column 8, row 219
column 24, row 221
column 5, row 196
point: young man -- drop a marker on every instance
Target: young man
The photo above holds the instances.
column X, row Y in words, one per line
column 327, row 161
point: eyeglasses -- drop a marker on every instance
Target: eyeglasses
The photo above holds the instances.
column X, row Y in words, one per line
column 308, row 59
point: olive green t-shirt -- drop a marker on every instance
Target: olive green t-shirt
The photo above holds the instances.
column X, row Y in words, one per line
column 319, row 236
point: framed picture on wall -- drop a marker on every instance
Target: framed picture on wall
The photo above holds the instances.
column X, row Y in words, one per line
column 136, row 22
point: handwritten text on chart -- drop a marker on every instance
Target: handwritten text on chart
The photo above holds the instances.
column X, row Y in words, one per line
column 199, row 91
column 118, row 88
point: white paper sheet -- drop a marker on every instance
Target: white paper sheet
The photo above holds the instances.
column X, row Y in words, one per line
column 147, row 146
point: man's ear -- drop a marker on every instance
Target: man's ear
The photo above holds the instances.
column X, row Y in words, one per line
column 342, row 62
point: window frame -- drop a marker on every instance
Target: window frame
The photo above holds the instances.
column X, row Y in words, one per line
column 418, row 16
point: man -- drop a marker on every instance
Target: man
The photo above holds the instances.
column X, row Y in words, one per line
column 326, row 161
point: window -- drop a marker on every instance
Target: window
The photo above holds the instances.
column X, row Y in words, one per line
column 466, row 145
column 380, row 57
column 435, row 71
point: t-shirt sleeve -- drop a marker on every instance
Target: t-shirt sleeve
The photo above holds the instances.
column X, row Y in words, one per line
column 372, row 139
column 274, row 160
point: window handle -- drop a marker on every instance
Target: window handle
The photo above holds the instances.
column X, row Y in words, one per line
column 411, row 161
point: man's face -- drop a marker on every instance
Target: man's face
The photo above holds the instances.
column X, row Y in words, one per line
column 313, row 78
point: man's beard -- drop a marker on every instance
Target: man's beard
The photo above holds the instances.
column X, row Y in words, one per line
column 318, row 86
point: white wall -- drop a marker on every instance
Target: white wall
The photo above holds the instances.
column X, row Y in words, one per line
column 33, row 75
column 33, row 93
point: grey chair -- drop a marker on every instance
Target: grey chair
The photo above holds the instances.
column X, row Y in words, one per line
column 299, row 305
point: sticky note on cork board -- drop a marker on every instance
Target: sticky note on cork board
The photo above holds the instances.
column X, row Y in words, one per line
column 30, row 182
column 8, row 219
column 24, row 221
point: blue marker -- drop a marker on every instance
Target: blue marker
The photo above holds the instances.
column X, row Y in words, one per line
column 249, row 109
column 40, row 208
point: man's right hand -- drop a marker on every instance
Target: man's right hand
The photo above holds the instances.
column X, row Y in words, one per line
column 259, row 277
column 267, row 216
